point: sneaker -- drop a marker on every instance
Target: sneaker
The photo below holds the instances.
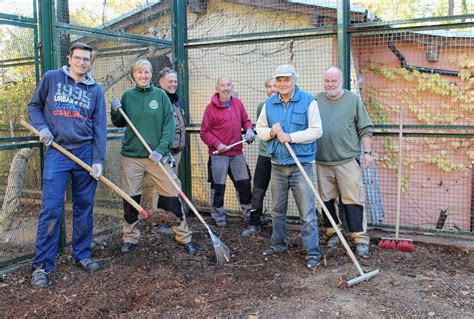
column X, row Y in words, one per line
column 250, row 231
column 362, row 250
column 333, row 241
column 128, row 248
column 191, row 249
column 162, row 229
column 40, row 279
column 222, row 224
column 88, row 265
column 273, row 251
column 312, row 262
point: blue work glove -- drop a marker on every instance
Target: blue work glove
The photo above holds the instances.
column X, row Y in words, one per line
column 97, row 170
column 115, row 104
column 250, row 136
column 46, row 137
column 155, row 157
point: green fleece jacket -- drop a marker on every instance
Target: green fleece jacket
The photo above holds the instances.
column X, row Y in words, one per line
column 151, row 112
column 345, row 121
column 262, row 145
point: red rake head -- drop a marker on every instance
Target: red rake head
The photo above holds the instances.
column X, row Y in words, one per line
column 405, row 246
column 143, row 213
column 387, row 244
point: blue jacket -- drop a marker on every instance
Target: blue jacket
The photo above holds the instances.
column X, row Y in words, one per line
column 74, row 112
column 292, row 118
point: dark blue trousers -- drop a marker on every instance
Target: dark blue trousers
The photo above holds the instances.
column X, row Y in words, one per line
column 57, row 171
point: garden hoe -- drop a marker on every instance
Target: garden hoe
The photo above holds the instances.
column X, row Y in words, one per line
column 363, row 276
column 221, row 250
column 141, row 211
column 402, row 244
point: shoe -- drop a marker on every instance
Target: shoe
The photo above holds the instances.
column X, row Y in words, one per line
column 128, row 248
column 264, row 220
column 222, row 224
column 40, row 279
column 333, row 241
column 162, row 229
column 88, row 265
column 191, row 249
column 250, row 231
column 362, row 250
column 312, row 262
column 273, row 251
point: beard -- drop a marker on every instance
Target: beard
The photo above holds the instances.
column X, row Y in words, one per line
column 334, row 93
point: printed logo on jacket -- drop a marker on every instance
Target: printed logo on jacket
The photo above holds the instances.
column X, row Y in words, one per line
column 71, row 101
column 153, row 105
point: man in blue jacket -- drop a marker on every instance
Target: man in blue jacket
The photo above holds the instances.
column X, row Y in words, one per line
column 291, row 116
column 68, row 107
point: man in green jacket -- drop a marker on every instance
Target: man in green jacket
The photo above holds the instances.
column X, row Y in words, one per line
column 150, row 110
column 346, row 124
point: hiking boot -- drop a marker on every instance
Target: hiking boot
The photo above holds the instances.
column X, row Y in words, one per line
column 362, row 250
column 273, row 251
column 162, row 229
column 333, row 241
column 128, row 248
column 250, row 231
column 191, row 249
column 88, row 265
column 40, row 279
column 312, row 262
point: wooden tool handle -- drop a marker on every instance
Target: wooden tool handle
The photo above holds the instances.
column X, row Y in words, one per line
column 103, row 179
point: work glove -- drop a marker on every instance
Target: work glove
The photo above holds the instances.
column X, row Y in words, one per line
column 97, row 170
column 46, row 137
column 221, row 147
column 284, row 137
column 275, row 130
column 115, row 104
column 250, row 136
column 155, row 157
column 171, row 161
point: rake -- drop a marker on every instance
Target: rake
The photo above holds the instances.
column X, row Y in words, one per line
column 221, row 250
column 397, row 243
column 363, row 275
column 141, row 211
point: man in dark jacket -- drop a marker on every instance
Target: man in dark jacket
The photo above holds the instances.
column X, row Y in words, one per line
column 222, row 123
column 68, row 108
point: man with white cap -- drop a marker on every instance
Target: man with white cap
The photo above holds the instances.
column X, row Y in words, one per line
column 291, row 116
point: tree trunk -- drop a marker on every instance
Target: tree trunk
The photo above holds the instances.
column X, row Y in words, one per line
column 14, row 187
column 450, row 7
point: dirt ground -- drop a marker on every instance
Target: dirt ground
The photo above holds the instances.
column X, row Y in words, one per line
column 160, row 280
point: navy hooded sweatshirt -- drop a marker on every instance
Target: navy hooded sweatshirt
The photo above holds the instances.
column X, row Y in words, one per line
column 74, row 112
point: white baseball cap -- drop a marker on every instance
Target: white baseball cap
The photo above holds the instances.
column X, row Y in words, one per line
column 285, row 70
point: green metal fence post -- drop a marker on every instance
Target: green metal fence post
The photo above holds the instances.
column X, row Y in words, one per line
column 180, row 61
column 48, row 62
column 343, row 41
column 46, row 27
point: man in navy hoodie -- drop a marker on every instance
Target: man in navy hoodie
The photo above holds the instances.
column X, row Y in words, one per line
column 68, row 107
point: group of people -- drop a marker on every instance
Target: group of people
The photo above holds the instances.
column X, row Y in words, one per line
column 68, row 108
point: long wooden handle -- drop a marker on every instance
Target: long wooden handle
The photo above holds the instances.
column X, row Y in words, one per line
column 325, row 210
column 399, row 177
column 228, row 147
column 103, row 179
column 180, row 192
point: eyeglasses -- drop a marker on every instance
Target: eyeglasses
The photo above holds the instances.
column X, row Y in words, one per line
column 79, row 59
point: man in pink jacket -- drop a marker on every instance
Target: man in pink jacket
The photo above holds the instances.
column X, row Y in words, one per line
column 224, row 118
